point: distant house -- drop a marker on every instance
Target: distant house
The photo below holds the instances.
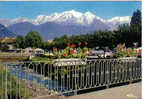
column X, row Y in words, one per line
column 38, row 51
column 8, row 41
column 28, row 50
column 139, row 51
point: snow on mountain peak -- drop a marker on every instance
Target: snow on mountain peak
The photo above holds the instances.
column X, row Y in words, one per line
column 125, row 19
column 20, row 19
column 73, row 13
column 39, row 20
column 69, row 17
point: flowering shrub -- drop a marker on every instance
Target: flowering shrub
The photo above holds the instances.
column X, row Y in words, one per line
column 55, row 52
column 122, row 51
column 71, row 52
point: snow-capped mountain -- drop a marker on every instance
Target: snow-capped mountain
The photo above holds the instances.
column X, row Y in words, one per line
column 8, row 22
column 122, row 20
column 116, row 21
column 68, row 22
column 67, row 17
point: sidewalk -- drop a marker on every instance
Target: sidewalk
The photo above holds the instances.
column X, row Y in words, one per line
column 131, row 91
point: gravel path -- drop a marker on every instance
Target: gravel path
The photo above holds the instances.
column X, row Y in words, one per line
column 131, row 91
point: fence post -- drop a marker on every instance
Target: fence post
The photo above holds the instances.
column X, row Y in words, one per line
column 75, row 78
column 6, row 82
column 107, row 74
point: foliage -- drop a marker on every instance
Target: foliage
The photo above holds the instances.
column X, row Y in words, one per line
column 122, row 51
column 4, row 47
column 32, row 39
column 136, row 26
column 71, row 51
column 98, row 38
column 12, row 84
column 20, row 42
column 136, row 19
column 40, row 58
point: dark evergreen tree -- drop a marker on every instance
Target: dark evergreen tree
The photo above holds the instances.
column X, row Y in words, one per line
column 136, row 26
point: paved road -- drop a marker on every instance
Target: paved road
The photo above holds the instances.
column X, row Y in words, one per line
column 131, row 91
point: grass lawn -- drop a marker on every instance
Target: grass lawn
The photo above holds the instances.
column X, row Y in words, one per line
column 38, row 58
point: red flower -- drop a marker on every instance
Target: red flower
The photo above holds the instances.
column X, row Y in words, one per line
column 54, row 49
column 68, row 44
column 90, row 51
column 72, row 45
column 65, row 54
column 72, row 51
column 79, row 43
column 85, row 43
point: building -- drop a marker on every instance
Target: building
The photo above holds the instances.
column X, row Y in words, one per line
column 38, row 51
column 8, row 41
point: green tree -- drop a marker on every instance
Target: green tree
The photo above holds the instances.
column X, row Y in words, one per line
column 4, row 47
column 20, row 42
column 136, row 26
column 124, row 35
column 136, row 20
column 33, row 39
column 12, row 85
column 0, row 44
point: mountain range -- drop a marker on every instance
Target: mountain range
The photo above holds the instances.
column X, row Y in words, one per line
column 68, row 22
column 4, row 32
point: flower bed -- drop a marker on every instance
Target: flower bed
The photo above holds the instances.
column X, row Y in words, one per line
column 70, row 55
column 71, row 51
column 125, row 53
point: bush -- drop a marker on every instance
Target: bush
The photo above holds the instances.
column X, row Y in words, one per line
column 122, row 51
column 12, row 85
column 71, row 52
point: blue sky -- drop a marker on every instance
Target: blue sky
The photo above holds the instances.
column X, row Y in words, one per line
column 105, row 10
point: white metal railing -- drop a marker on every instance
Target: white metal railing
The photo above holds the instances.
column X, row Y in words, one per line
column 36, row 80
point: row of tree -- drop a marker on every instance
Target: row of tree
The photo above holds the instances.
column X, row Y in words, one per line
column 32, row 39
column 125, row 33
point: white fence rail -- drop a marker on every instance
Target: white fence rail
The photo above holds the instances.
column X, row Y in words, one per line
column 40, row 80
